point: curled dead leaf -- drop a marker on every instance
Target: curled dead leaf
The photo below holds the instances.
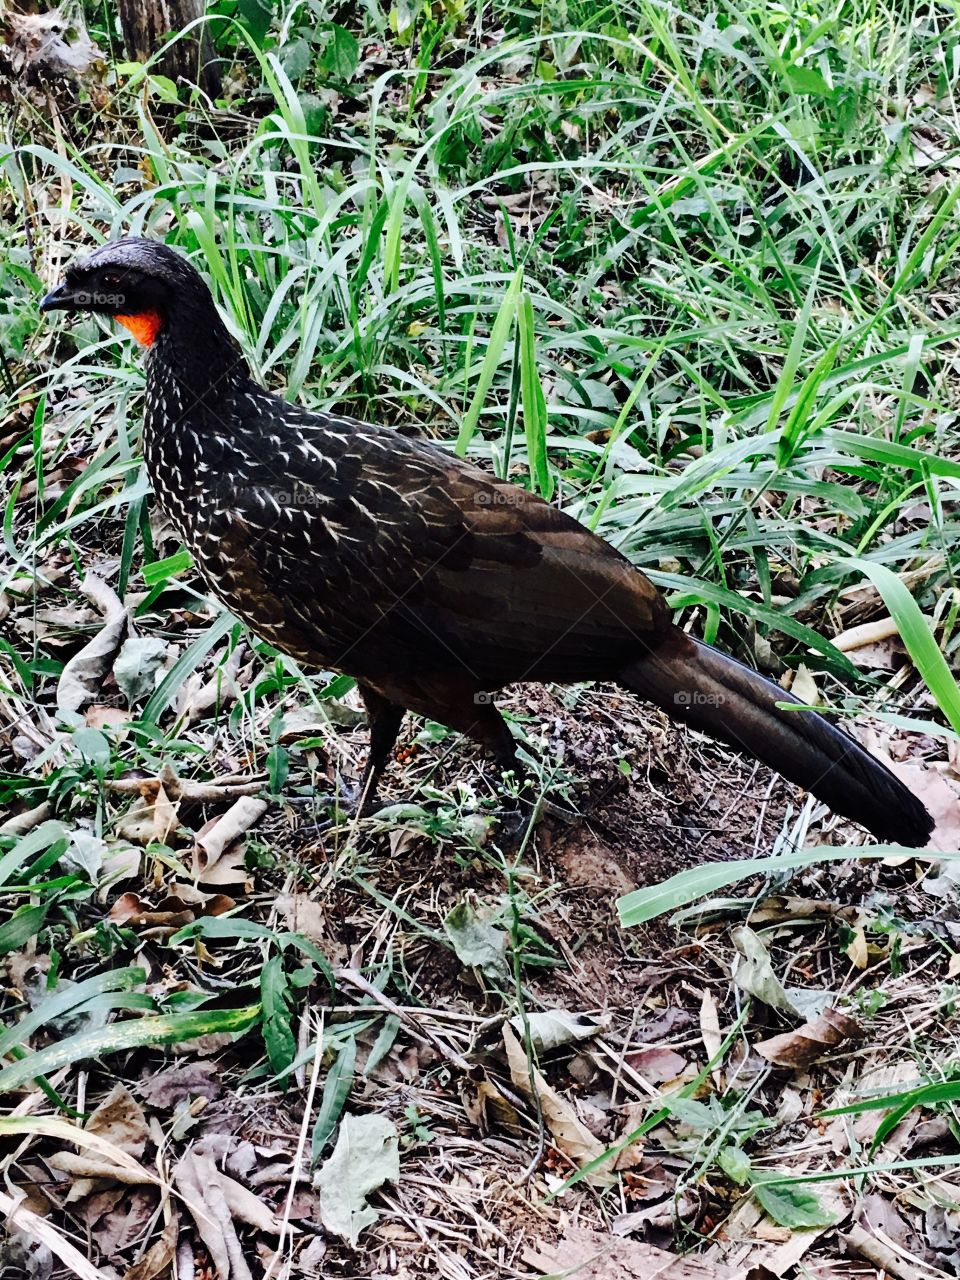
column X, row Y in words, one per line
column 218, row 855
column 173, row 912
column 568, row 1131
column 798, row 1049
column 656, row 1063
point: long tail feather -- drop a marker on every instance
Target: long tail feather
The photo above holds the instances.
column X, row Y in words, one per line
column 711, row 691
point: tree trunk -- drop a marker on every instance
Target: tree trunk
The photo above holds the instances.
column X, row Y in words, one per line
column 148, row 24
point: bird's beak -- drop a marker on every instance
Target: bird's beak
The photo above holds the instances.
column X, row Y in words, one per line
column 63, row 298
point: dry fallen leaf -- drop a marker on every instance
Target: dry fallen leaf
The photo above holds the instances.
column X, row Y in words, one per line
column 215, row 1200
column 754, row 971
column 172, row 912
column 118, row 1121
column 553, row 1028
column 940, row 797
column 366, row 1156
column 656, row 1063
column 178, row 1083
column 305, row 915
column 856, row 950
column 165, row 816
column 158, row 1257
column 18, row 1218
column 99, row 715
column 50, row 43
column 130, row 909
column 238, row 819
column 198, row 695
column 568, row 1131
column 218, row 855
column 588, row 1255
column 82, row 675
column 799, row 1048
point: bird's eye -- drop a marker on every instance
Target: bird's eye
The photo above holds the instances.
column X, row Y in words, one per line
column 112, row 278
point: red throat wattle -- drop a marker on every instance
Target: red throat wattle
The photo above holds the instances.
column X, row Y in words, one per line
column 144, row 326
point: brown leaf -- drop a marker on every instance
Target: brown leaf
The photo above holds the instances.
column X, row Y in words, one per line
column 591, row 1256
column 223, row 687
column 158, row 1257
column 217, row 836
column 83, row 674
column 119, row 1119
column 568, row 1131
column 185, row 1080
column 84, row 1167
column 940, row 797
column 99, row 715
column 856, row 950
column 656, row 1063
column 49, row 42
column 130, row 909
column 124, row 1222
column 214, row 1200
column 165, row 817
column 304, row 915
column 218, row 855
column 799, row 1048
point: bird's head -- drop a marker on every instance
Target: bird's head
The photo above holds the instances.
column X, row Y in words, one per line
column 141, row 283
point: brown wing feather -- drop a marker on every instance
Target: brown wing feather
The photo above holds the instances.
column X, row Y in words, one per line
column 414, row 561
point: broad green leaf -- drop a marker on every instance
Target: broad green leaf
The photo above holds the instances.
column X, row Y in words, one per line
column 735, row 1163
column 793, row 1206
column 342, row 54
column 256, row 16
column 21, row 927
column 275, row 995
column 808, row 80
column 36, row 841
column 336, row 1090
column 227, row 926
column 165, row 1029
column 478, row 945
column 69, row 998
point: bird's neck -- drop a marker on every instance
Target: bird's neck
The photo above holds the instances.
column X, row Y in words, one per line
column 194, row 351
column 195, row 378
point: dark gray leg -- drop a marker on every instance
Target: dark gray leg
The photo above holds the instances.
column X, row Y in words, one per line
column 385, row 719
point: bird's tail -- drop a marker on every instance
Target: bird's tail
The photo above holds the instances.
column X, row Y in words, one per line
column 713, row 692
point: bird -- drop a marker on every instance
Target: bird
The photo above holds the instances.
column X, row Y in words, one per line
column 431, row 582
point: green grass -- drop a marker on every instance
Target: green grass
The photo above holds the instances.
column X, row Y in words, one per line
column 726, row 253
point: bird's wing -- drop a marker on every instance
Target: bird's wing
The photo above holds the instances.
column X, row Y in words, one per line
column 367, row 551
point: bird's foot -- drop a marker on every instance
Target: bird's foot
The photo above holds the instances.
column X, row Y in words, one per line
column 331, row 808
column 510, row 824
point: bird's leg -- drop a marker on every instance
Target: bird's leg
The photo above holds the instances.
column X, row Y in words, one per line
column 482, row 721
column 384, row 718
column 490, row 729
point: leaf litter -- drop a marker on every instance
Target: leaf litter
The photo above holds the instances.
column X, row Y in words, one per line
column 623, row 1061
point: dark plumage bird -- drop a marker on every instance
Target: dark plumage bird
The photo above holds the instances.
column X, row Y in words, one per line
column 431, row 582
